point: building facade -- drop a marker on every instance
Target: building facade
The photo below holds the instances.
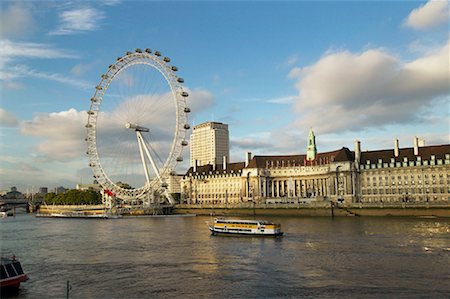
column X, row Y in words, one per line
column 209, row 143
column 419, row 174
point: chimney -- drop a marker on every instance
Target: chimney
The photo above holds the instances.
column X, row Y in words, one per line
column 224, row 162
column 195, row 165
column 396, row 148
column 248, row 157
column 421, row 142
column 416, row 146
column 357, row 152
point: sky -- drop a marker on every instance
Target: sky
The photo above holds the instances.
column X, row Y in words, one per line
column 371, row 71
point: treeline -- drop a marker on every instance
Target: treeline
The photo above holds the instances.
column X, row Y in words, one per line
column 74, row 197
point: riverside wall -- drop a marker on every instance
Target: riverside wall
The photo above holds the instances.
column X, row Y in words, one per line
column 320, row 210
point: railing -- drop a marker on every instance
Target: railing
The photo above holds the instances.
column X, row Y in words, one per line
column 318, row 204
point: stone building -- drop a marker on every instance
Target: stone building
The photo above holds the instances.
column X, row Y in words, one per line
column 418, row 174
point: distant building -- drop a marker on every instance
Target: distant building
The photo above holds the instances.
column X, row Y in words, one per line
column 43, row 190
column 418, row 174
column 209, row 143
column 14, row 194
column 84, row 187
column 60, row 189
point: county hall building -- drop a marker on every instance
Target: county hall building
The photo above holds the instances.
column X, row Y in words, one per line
column 417, row 174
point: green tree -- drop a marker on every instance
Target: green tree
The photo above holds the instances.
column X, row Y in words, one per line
column 74, row 197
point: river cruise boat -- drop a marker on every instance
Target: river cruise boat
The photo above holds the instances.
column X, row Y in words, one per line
column 73, row 214
column 11, row 273
column 223, row 226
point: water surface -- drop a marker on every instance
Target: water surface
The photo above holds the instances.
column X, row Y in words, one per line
column 176, row 257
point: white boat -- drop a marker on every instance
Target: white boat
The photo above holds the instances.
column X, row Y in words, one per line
column 223, row 226
column 73, row 214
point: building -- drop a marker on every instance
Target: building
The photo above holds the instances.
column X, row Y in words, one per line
column 60, row 189
column 173, row 183
column 43, row 190
column 84, row 187
column 213, row 183
column 209, row 143
column 418, row 174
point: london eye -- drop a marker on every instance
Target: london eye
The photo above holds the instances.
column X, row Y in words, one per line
column 137, row 127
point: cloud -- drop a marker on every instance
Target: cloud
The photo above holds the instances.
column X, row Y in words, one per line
column 14, row 50
column 23, row 71
column 250, row 144
column 7, row 119
column 16, row 20
column 199, row 99
column 63, row 134
column 78, row 20
column 373, row 88
column 431, row 14
column 283, row 100
column 20, row 50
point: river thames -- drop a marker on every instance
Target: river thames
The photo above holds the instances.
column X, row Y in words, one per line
column 176, row 257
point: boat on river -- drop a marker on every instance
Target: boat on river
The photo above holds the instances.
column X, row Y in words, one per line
column 11, row 273
column 223, row 226
column 73, row 214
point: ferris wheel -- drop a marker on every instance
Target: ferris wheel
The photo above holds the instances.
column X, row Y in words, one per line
column 137, row 126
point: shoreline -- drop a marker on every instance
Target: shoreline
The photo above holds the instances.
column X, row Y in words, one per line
column 321, row 211
column 248, row 209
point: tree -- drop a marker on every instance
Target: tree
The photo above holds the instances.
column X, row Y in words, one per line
column 74, row 197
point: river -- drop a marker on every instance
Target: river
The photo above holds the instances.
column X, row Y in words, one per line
column 176, row 257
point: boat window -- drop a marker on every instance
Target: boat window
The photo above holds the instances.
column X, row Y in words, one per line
column 18, row 268
column 10, row 270
column 3, row 274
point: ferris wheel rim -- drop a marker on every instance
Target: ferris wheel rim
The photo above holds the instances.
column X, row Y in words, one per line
column 181, row 126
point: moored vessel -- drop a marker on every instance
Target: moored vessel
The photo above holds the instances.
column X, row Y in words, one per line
column 223, row 226
column 11, row 273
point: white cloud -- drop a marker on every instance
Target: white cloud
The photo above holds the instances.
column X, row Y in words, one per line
column 16, row 20
column 373, row 88
column 63, row 134
column 199, row 99
column 20, row 50
column 431, row 14
column 283, row 100
column 7, row 119
column 78, row 21
column 14, row 50
column 24, row 71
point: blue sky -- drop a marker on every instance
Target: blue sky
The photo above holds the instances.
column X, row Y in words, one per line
column 366, row 70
